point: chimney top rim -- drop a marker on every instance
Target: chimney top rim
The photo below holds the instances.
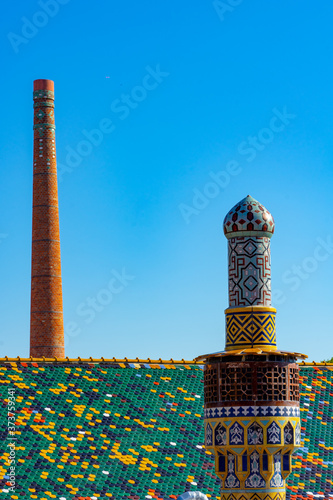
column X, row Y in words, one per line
column 42, row 84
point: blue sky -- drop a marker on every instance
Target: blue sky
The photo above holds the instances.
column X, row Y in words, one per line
column 155, row 100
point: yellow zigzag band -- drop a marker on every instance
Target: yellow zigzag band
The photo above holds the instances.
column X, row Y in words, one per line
column 250, row 327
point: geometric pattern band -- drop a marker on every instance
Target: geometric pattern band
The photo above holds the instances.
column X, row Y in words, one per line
column 249, row 264
column 248, row 327
column 44, row 114
column 266, row 434
column 252, row 411
column 253, row 495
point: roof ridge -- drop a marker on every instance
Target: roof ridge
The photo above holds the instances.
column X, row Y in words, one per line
column 99, row 360
column 159, row 361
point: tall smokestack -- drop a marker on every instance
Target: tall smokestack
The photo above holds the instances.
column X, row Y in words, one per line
column 46, row 323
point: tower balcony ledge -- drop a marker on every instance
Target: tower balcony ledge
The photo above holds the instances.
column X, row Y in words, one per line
column 256, row 351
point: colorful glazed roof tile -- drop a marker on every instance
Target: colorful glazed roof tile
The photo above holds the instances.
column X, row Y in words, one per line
column 248, row 218
column 133, row 430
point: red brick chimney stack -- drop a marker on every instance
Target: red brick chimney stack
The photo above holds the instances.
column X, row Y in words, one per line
column 46, row 325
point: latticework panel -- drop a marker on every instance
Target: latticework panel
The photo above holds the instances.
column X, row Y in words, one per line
column 227, row 382
column 211, row 383
column 235, row 383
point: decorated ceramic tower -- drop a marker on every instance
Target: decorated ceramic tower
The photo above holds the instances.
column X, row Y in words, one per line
column 251, row 388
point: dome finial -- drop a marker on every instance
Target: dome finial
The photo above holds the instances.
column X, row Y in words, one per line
column 248, row 218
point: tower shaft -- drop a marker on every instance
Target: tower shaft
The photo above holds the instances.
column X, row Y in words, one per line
column 46, row 320
column 252, row 415
column 249, row 271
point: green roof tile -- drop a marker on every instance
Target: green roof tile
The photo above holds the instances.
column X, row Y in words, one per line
column 88, row 431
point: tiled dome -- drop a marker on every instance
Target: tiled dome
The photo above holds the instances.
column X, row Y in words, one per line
column 248, row 218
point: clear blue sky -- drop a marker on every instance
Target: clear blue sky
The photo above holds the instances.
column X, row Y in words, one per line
column 179, row 93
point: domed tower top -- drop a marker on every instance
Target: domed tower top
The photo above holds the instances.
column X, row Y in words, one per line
column 248, row 218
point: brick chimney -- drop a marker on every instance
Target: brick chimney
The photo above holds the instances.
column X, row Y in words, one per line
column 46, row 324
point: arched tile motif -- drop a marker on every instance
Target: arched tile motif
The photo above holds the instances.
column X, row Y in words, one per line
column 209, row 435
column 288, row 433
column 232, row 480
column 220, row 435
column 273, row 434
column 298, row 434
column 255, row 479
column 277, row 479
column 236, row 434
column 255, row 434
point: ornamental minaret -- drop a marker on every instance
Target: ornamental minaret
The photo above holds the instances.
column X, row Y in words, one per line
column 46, row 324
column 251, row 388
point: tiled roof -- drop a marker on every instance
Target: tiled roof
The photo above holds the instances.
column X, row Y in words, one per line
column 313, row 463
column 135, row 431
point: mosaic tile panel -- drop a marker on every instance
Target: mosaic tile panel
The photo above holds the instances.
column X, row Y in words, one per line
column 249, row 269
column 249, row 327
column 261, row 432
